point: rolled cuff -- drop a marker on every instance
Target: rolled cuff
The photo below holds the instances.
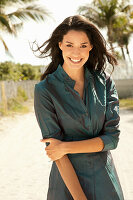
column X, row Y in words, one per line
column 108, row 143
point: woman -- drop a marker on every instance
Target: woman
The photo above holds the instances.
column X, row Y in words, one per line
column 77, row 108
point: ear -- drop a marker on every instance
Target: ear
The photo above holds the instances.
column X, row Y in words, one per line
column 60, row 45
column 91, row 47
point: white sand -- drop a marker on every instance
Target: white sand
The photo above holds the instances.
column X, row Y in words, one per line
column 24, row 167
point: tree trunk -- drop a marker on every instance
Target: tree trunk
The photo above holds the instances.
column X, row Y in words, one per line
column 110, row 37
column 123, row 54
column 129, row 55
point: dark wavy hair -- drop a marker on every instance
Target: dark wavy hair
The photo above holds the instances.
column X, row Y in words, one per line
column 99, row 54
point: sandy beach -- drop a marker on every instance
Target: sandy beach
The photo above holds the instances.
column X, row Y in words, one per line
column 24, row 166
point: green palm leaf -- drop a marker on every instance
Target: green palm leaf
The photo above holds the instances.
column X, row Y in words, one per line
column 14, row 13
column 92, row 14
column 5, row 24
column 33, row 12
column 6, row 47
column 106, row 14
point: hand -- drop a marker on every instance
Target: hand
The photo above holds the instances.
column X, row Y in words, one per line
column 53, row 150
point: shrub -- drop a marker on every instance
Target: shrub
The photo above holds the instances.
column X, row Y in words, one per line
column 15, row 104
column 21, row 94
column 16, row 72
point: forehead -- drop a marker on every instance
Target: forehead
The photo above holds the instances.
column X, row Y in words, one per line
column 76, row 36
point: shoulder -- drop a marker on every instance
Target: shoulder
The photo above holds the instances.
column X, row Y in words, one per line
column 105, row 76
column 42, row 87
column 47, row 85
column 42, row 93
column 110, row 83
column 104, row 81
column 99, row 77
column 46, row 81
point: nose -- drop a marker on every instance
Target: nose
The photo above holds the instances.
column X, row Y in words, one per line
column 76, row 52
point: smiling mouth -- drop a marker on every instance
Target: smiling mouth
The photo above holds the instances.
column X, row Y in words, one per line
column 75, row 60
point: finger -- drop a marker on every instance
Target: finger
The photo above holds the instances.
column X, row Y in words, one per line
column 47, row 148
column 48, row 154
column 45, row 140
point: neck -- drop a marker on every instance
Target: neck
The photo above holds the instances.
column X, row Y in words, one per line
column 75, row 74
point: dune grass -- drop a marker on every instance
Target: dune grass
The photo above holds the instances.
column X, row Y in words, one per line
column 15, row 104
column 126, row 103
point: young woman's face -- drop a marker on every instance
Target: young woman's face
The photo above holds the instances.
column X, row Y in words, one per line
column 75, row 48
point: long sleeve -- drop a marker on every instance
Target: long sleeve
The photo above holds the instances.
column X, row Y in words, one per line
column 110, row 131
column 48, row 122
column 45, row 114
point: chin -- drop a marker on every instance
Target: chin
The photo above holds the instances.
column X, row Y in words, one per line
column 76, row 66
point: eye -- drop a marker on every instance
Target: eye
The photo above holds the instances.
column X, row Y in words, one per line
column 83, row 46
column 69, row 45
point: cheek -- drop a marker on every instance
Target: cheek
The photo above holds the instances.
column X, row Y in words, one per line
column 65, row 51
column 64, row 54
column 86, row 54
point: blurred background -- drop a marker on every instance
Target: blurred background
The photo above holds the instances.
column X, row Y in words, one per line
column 24, row 21
column 24, row 168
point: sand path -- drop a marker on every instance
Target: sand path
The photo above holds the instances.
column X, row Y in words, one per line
column 24, row 167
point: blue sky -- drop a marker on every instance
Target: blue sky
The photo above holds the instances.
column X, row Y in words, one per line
column 59, row 10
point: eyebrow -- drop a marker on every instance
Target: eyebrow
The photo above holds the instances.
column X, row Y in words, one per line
column 81, row 43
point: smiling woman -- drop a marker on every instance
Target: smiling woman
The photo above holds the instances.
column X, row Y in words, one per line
column 75, row 48
column 96, row 48
column 77, row 108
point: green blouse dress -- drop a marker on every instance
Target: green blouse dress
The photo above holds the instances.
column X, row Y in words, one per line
column 62, row 114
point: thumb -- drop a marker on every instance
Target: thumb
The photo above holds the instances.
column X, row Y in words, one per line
column 45, row 140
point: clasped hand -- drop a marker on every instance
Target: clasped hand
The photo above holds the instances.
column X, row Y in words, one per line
column 53, row 150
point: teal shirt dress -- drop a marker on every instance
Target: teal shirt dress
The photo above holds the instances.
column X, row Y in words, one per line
column 62, row 114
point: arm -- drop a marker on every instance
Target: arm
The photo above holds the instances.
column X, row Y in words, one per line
column 84, row 146
column 48, row 122
column 108, row 136
column 70, row 178
column 57, row 149
column 110, row 132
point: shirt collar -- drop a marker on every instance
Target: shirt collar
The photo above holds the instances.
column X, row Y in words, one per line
column 63, row 76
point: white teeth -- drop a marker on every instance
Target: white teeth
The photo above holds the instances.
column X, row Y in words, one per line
column 74, row 60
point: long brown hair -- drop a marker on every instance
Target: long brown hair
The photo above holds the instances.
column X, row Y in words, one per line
column 99, row 54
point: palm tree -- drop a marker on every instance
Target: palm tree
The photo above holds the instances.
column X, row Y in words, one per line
column 116, row 16
column 14, row 13
column 122, row 26
column 101, row 12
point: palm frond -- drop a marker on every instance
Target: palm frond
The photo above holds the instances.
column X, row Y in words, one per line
column 128, row 8
column 6, row 47
column 5, row 24
column 17, row 28
column 14, row 13
column 92, row 14
column 7, row 2
column 33, row 12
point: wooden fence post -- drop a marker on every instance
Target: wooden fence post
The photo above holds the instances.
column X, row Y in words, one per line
column 4, row 99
